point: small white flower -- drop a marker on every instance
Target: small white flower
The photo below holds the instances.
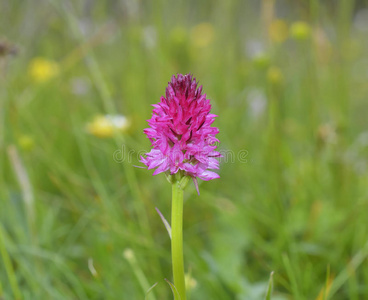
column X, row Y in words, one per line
column 118, row 121
column 257, row 102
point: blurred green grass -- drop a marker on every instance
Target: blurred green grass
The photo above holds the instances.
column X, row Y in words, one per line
column 292, row 109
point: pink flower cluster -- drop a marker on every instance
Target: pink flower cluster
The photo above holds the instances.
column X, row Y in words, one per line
column 180, row 132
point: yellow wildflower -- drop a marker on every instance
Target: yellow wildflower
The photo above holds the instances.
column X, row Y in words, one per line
column 41, row 69
column 106, row 126
column 202, row 35
column 278, row 31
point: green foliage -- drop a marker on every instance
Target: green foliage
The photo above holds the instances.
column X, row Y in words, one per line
column 174, row 290
column 270, row 287
column 292, row 197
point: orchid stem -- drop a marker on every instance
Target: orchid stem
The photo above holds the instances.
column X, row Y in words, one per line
column 177, row 238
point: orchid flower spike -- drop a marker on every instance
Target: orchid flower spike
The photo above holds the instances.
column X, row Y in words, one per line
column 183, row 140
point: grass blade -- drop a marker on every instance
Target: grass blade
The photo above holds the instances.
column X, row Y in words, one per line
column 8, row 267
column 149, row 290
column 270, row 287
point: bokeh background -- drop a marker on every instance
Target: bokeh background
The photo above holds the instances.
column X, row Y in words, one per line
column 289, row 83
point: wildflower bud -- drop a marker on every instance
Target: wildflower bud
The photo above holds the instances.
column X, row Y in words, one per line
column 129, row 255
column 278, row 31
column 261, row 61
column 26, row 142
column 202, row 35
column 275, row 76
column 190, row 282
column 300, row 30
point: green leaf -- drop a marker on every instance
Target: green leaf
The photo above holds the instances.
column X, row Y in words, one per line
column 174, row 290
column 270, row 287
column 167, row 225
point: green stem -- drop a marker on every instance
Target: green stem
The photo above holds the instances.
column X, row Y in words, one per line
column 8, row 267
column 177, row 238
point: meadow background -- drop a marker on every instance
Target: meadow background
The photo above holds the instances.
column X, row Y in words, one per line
column 289, row 83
